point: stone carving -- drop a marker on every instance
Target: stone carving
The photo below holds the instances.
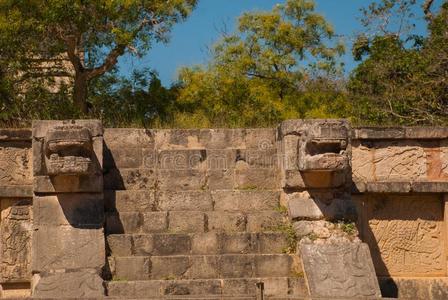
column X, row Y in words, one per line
column 67, row 156
column 339, row 270
column 15, row 164
column 405, row 233
column 15, row 230
column 317, row 153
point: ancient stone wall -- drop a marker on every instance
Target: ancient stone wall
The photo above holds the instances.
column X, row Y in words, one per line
column 373, row 197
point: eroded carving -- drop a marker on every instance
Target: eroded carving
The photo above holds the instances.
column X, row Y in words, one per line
column 405, row 234
column 15, row 232
column 15, row 166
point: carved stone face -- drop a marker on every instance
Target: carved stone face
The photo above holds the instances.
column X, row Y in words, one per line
column 323, row 148
column 68, row 150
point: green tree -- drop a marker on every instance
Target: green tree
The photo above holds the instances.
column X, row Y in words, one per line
column 91, row 34
column 401, row 78
column 279, row 64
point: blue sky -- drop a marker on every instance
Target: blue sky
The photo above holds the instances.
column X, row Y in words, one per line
column 189, row 40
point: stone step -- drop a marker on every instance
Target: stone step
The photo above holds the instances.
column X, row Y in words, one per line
column 204, row 266
column 192, row 221
column 196, row 244
column 221, row 200
column 235, row 288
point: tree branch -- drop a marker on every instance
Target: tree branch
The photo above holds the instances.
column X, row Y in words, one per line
column 427, row 9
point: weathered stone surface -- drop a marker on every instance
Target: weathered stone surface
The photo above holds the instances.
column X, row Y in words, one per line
column 320, row 206
column 245, row 200
column 181, row 159
column 15, row 164
column 405, row 233
column 119, row 244
column 15, row 244
column 221, row 179
column 180, row 221
column 22, row 191
column 130, row 201
column 60, row 248
column 179, row 180
column 12, row 134
column 184, row 200
column 248, row 178
column 124, row 157
column 127, row 222
column 132, row 268
column 169, row 267
column 130, row 179
column 339, row 270
column 226, row 221
column 155, row 222
column 264, row 221
column 86, row 210
column 205, row 243
column 79, row 284
column 131, row 137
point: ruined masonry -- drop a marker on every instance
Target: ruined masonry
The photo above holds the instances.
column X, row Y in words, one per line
column 312, row 209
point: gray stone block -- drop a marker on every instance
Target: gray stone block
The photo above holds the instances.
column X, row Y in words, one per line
column 79, row 284
column 226, row 221
column 143, row 244
column 248, row 178
column 339, row 270
column 130, row 179
column 181, row 159
column 221, row 159
column 203, row 267
column 221, row 179
column 237, row 266
column 171, row 244
column 236, row 243
column 121, row 289
column 60, row 248
column 191, row 287
column 270, row 242
column 205, row 243
column 273, row 265
column 180, row 221
column 124, row 156
column 260, row 138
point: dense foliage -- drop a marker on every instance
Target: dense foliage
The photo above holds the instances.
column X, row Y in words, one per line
column 279, row 64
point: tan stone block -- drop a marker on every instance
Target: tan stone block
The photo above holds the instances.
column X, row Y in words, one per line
column 205, row 243
column 79, row 284
column 169, row 267
column 86, row 210
column 15, row 164
column 248, row 178
column 60, row 247
column 226, row 221
column 155, row 222
column 180, row 221
column 184, row 200
column 245, row 200
column 130, row 201
column 132, row 268
column 182, row 180
column 264, row 221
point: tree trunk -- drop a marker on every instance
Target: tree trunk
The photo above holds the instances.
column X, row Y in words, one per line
column 80, row 92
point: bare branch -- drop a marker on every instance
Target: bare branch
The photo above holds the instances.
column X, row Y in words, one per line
column 427, row 9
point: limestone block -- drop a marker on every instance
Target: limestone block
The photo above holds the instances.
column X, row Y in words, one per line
column 15, row 244
column 339, row 270
column 237, row 266
column 248, row 178
column 236, row 243
column 185, row 200
column 126, row 222
column 264, row 221
column 261, row 138
column 123, row 156
column 169, row 267
column 143, row 244
column 132, row 268
column 203, row 267
column 205, row 243
column 222, row 159
column 180, row 221
column 245, row 200
column 79, row 284
column 191, row 287
column 222, row 138
column 171, row 244
column 221, row 179
column 130, row 201
column 226, row 221
column 155, row 222
column 273, row 265
column 320, row 206
column 24, row 191
column 130, row 179
column 182, row 180
column 261, row 158
column 60, row 248
column 181, row 159
column 415, row 288
column 130, row 137
column 177, row 139
column 86, row 210
column 121, row 289
column 270, row 242
column 405, row 233
column 15, row 164
column 119, row 245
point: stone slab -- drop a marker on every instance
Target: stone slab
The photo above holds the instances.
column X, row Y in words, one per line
column 65, row 247
column 339, row 270
column 80, row 284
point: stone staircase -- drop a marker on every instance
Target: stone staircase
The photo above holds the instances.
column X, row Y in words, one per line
column 223, row 244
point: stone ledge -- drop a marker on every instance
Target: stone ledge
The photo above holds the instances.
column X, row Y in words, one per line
column 18, row 191
column 380, row 133
column 15, row 134
column 400, row 187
